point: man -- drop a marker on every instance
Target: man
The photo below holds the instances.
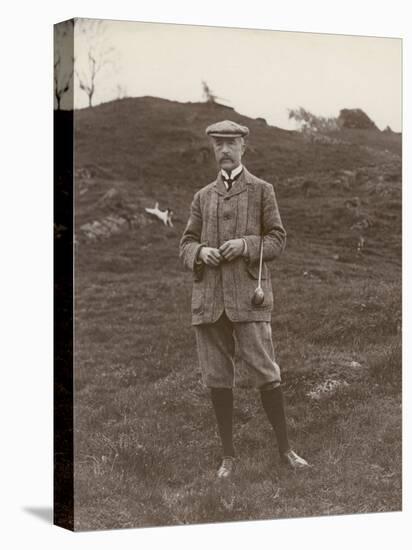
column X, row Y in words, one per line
column 221, row 246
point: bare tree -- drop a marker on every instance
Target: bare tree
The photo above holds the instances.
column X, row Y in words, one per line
column 87, row 81
column 63, row 59
column 209, row 95
column 98, row 55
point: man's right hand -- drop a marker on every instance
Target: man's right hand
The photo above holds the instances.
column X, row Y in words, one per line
column 210, row 256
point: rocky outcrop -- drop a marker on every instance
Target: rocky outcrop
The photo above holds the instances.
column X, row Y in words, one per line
column 355, row 119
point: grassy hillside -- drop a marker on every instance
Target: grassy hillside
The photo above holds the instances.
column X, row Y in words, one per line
column 146, row 446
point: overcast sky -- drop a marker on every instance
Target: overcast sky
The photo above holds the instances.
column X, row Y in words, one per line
column 259, row 73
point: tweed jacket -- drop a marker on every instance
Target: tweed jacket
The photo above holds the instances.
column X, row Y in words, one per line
column 217, row 215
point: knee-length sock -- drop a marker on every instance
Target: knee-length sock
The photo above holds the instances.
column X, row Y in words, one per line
column 222, row 399
column 273, row 404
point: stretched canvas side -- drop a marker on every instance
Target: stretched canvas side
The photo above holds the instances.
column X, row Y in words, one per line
column 63, row 514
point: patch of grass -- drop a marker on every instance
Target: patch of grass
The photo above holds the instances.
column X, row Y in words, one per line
column 386, row 367
column 146, row 446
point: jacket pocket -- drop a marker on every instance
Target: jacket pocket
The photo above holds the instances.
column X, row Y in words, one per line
column 267, row 292
column 197, row 297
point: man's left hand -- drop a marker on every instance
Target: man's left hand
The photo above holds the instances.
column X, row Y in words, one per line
column 232, row 249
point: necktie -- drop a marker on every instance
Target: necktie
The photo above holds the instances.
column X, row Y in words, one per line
column 229, row 181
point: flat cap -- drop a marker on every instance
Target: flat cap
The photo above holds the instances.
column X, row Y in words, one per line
column 227, row 128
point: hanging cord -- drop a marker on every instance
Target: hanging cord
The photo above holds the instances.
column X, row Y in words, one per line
column 261, row 236
column 258, row 296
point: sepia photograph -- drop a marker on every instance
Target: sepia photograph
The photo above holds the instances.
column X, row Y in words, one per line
column 228, row 274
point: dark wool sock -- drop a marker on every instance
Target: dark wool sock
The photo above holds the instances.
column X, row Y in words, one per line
column 272, row 401
column 222, row 399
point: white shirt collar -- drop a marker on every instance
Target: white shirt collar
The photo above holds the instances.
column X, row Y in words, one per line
column 233, row 174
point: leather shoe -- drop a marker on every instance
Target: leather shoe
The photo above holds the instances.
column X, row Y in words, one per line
column 226, row 468
column 294, row 461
